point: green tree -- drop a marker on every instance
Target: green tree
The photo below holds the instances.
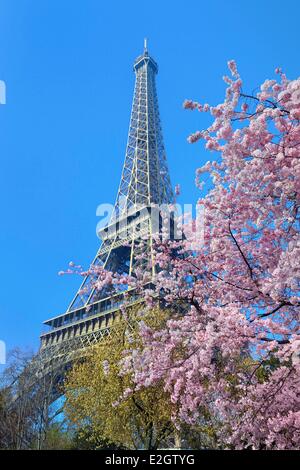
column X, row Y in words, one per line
column 101, row 398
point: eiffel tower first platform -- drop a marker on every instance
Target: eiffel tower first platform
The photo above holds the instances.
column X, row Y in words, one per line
column 145, row 182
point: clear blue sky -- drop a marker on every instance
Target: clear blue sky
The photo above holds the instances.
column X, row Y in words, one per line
column 68, row 70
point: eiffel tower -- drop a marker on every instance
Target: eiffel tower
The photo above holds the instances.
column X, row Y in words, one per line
column 145, row 183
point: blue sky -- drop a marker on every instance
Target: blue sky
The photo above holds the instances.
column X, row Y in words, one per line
column 67, row 66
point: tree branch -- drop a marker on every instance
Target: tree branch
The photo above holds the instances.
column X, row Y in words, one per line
column 241, row 252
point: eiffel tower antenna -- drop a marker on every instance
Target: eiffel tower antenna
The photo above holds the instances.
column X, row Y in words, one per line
column 145, row 182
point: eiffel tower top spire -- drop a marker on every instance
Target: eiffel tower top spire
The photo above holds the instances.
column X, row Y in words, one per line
column 145, row 58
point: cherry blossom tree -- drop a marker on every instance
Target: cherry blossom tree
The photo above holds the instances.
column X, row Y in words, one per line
column 233, row 345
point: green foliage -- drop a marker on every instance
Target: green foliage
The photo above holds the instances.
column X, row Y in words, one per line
column 85, row 439
column 57, row 438
column 140, row 420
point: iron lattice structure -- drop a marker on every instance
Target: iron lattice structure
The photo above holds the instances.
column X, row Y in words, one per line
column 145, row 184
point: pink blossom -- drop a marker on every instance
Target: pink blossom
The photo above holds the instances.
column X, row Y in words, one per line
column 232, row 67
column 195, row 137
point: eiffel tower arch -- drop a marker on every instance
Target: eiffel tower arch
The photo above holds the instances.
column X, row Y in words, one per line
column 145, row 183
